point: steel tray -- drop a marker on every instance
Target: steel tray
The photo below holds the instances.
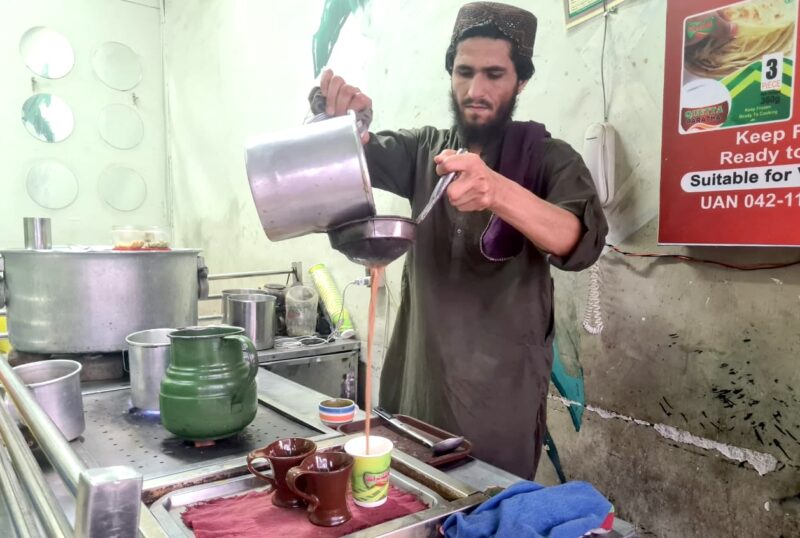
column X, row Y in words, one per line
column 411, row 446
column 168, row 509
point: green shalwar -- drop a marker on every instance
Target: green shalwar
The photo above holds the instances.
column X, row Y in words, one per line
column 471, row 350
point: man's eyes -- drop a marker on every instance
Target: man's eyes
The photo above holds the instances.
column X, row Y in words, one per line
column 491, row 75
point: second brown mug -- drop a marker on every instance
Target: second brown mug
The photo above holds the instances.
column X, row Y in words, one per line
column 324, row 486
column 282, row 455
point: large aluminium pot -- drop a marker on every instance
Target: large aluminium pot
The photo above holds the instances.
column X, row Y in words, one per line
column 309, row 178
column 87, row 300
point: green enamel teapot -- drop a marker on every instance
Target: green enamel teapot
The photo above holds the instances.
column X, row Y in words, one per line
column 209, row 389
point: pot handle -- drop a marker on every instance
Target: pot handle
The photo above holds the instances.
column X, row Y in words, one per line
column 260, row 455
column 252, row 359
column 202, row 278
column 291, row 479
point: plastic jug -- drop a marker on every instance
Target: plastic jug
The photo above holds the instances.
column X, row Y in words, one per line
column 301, row 311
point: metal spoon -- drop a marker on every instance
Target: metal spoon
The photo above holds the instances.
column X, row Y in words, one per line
column 440, row 447
column 438, row 191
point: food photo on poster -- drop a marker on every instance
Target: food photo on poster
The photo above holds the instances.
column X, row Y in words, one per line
column 731, row 56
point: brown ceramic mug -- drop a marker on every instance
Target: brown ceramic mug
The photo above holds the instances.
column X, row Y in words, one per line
column 282, row 455
column 324, row 486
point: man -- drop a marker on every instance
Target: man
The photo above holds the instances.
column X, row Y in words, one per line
column 472, row 346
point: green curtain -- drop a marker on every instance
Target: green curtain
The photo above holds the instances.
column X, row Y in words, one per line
column 334, row 15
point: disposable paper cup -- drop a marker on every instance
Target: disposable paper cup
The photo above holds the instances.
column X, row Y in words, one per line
column 369, row 480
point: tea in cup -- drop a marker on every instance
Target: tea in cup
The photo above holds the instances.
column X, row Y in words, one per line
column 369, row 481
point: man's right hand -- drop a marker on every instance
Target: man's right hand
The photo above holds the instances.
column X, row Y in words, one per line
column 341, row 97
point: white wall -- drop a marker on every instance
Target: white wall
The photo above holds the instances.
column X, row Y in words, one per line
column 235, row 69
column 86, row 24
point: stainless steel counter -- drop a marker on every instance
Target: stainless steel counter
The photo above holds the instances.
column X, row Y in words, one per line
column 338, row 345
column 288, row 401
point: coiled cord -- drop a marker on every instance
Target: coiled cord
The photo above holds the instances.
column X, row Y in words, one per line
column 593, row 315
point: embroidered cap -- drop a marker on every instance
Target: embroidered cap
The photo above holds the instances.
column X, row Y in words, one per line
column 515, row 23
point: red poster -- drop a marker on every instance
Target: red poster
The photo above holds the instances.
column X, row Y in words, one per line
column 730, row 170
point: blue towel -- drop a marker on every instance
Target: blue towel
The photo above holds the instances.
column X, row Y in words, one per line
column 532, row 510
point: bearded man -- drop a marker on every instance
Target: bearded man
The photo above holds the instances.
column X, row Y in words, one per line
column 471, row 350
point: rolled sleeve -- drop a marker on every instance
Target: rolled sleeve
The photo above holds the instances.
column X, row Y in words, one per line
column 569, row 185
column 592, row 241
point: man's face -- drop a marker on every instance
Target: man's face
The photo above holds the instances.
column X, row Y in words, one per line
column 484, row 86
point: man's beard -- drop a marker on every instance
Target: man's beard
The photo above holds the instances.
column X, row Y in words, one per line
column 481, row 135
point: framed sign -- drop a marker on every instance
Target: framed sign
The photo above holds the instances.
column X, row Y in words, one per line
column 578, row 11
column 730, row 155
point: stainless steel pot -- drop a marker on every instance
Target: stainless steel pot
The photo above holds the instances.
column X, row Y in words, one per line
column 148, row 357
column 309, row 178
column 56, row 387
column 237, row 291
column 80, row 300
column 255, row 313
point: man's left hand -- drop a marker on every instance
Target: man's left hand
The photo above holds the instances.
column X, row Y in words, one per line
column 476, row 187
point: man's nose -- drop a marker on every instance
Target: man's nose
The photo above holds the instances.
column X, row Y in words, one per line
column 477, row 88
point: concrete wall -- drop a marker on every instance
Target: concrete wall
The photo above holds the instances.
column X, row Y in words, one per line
column 674, row 451
column 86, row 24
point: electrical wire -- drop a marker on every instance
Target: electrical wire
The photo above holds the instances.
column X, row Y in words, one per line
column 341, row 310
column 593, row 318
column 593, row 314
column 310, row 340
column 692, row 259
column 606, row 14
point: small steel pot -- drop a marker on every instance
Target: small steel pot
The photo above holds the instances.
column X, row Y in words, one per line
column 148, row 357
column 56, row 387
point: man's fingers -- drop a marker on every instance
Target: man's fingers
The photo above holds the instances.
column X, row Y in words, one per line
column 469, row 200
column 325, row 81
column 333, row 94
column 461, row 190
column 443, row 155
column 452, row 162
column 344, row 99
column 360, row 101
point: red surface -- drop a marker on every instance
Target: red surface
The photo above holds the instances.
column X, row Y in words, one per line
column 253, row 515
column 608, row 522
column 682, row 219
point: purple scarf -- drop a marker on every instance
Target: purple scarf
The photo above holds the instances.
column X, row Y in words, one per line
column 520, row 156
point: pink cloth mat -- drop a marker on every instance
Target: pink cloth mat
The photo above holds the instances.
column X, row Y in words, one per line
column 254, row 515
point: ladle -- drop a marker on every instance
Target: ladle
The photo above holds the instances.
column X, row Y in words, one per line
column 440, row 447
column 438, row 191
